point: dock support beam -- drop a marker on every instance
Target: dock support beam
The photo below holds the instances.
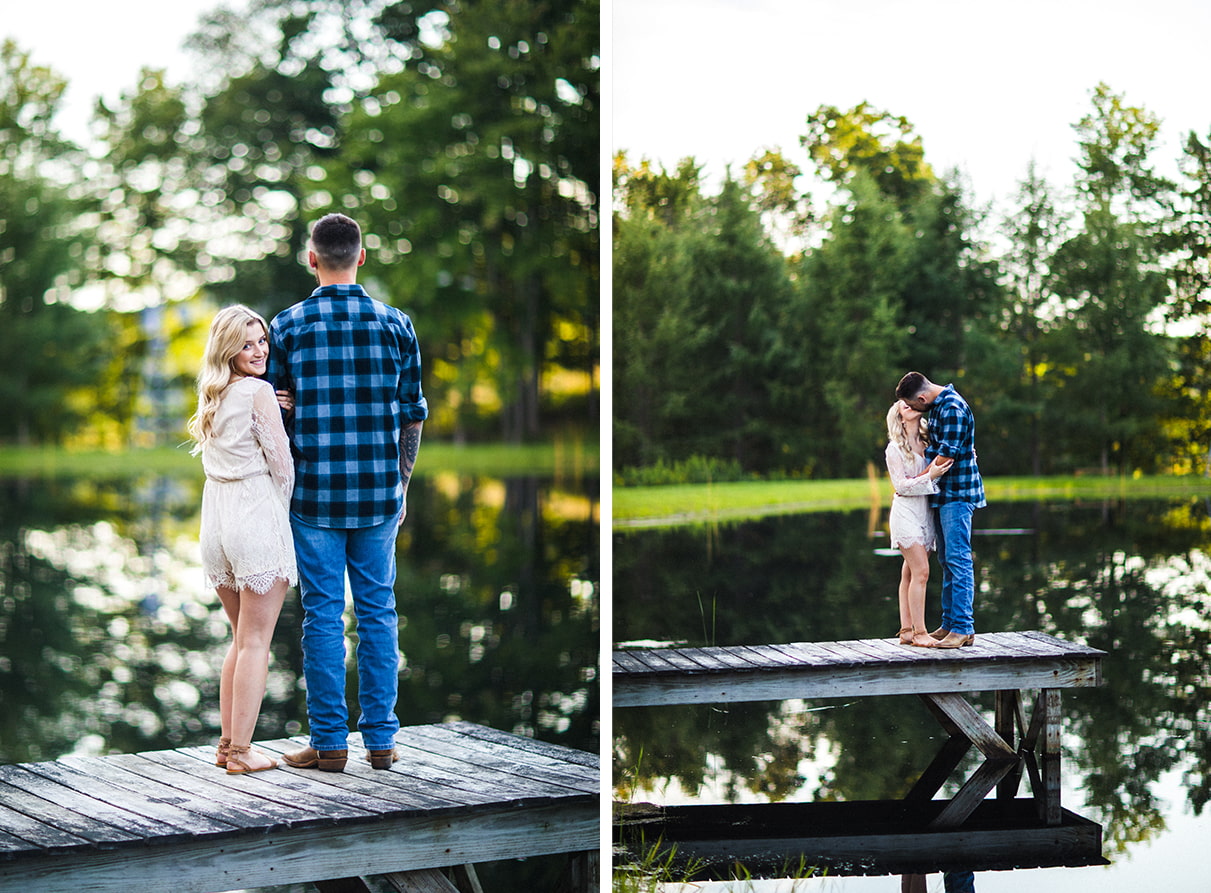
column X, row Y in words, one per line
column 1049, row 701
column 1038, row 752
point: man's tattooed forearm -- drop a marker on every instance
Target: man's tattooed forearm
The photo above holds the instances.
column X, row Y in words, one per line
column 409, row 447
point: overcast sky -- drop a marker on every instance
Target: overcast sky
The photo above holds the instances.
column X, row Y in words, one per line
column 101, row 45
column 988, row 85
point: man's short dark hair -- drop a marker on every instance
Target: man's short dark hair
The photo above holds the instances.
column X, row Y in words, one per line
column 336, row 241
column 910, row 385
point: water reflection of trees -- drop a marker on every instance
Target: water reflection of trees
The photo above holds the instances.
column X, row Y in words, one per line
column 109, row 642
column 88, row 659
column 1130, row 578
column 499, row 594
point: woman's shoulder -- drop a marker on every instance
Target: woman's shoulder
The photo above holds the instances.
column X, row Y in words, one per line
column 248, row 391
column 248, row 384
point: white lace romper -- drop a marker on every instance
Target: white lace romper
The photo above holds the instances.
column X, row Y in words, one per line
column 246, row 539
column 911, row 521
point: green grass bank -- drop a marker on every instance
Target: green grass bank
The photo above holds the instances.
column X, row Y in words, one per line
column 670, row 506
column 563, row 458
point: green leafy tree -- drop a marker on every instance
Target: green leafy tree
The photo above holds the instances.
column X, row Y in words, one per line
column 149, row 239
column 465, row 142
column 866, row 140
column 945, row 282
column 654, row 317
column 51, row 350
column 698, row 294
column 787, row 211
column 853, row 341
column 949, row 282
column 1012, row 345
column 474, row 168
column 1186, row 392
column 275, row 84
column 1188, row 236
column 741, row 287
column 1109, row 276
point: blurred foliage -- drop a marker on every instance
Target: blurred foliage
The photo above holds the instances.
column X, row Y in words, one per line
column 464, row 140
column 476, row 168
column 50, row 350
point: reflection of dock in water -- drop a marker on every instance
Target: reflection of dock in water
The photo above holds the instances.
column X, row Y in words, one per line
column 171, row 820
column 1022, row 742
column 870, row 837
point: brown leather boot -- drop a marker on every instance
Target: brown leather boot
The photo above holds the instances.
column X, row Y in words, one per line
column 382, row 759
column 957, row 640
column 324, row 760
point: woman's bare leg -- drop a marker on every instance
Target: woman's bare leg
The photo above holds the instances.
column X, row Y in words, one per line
column 258, row 615
column 916, row 564
column 230, row 600
column 905, row 615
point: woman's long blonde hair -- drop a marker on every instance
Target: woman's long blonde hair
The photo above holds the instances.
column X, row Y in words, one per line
column 898, row 434
column 228, row 334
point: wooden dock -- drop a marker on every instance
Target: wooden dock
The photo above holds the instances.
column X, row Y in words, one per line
column 860, row 668
column 1006, row 663
column 171, row 820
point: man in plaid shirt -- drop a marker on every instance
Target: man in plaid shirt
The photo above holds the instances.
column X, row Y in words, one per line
column 952, row 436
column 348, row 368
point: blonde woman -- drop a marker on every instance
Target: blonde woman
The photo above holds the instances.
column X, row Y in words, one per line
column 911, row 521
column 247, row 550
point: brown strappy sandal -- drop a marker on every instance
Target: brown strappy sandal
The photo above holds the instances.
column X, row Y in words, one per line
column 922, row 639
column 220, row 755
column 235, row 757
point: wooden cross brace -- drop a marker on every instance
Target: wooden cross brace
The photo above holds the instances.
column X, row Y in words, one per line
column 1037, row 751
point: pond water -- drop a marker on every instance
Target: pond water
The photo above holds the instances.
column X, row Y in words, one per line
column 1132, row 578
column 109, row 641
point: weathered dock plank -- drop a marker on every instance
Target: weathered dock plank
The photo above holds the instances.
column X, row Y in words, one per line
column 302, row 795
column 853, row 669
column 536, row 767
column 627, row 661
column 527, row 745
column 773, row 655
column 172, row 820
column 29, row 807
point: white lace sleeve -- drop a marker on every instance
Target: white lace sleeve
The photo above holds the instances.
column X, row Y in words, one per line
column 269, row 432
column 921, row 485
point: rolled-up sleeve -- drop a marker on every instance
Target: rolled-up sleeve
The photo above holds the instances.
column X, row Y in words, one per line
column 412, row 404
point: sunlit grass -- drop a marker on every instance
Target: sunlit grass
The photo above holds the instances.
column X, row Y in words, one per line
column 572, row 458
column 671, row 506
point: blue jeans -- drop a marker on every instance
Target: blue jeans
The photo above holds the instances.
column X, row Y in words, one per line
column 959, row 881
column 368, row 554
column 958, row 572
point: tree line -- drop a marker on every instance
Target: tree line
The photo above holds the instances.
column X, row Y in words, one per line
column 760, row 329
column 463, row 138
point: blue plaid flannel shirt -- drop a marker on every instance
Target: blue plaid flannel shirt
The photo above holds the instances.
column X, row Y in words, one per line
column 354, row 366
column 952, row 433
